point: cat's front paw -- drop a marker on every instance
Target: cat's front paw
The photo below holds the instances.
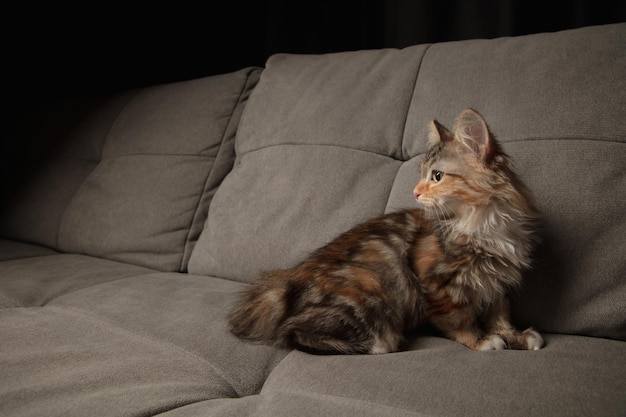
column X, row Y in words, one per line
column 534, row 341
column 492, row 342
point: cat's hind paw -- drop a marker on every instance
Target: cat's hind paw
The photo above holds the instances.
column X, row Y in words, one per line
column 492, row 342
column 534, row 341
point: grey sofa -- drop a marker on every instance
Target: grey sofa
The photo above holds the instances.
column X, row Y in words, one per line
column 130, row 223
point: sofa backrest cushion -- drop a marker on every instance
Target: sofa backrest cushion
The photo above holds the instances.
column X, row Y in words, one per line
column 142, row 188
column 45, row 157
column 557, row 101
column 329, row 141
column 316, row 152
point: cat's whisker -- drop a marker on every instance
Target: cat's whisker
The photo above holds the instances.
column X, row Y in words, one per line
column 443, row 213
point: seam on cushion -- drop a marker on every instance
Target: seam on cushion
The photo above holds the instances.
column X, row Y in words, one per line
column 150, row 338
column 408, row 109
column 75, row 158
column 114, row 122
column 69, row 201
column 324, row 145
column 565, row 139
column 54, row 297
column 30, row 242
column 569, row 138
column 79, row 186
column 395, row 178
column 50, row 302
column 528, row 139
column 245, row 86
column 186, row 155
column 403, row 152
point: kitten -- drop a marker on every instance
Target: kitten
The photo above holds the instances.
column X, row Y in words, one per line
column 449, row 262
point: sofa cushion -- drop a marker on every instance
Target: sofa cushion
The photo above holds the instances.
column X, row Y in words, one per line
column 571, row 375
column 309, row 216
column 46, row 157
column 36, row 280
column 305, row 174
column 317, row 150
column 567, row 84
column 166, row 153
column 559, row 113
column 128, row 177
column 57, row 361
column 289, row 404
column 578, row 282
column 136, row 345
column 185, row 311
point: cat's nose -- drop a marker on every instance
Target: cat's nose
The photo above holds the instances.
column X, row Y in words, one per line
column 417, row 191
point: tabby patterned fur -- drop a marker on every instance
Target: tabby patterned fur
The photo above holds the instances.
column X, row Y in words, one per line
column 450, row 262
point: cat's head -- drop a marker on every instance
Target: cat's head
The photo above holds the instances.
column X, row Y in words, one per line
column 467, row 171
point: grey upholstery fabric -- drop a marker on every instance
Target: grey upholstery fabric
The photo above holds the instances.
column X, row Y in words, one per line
column 131, row 177
column 59, row 144
column 318, row 148
column 137, row 345
column 168, row 150
column 62, row 362
column 283, row 404
column 440, row 377
column 10, row 249
column 186, row 311
column 35, row 281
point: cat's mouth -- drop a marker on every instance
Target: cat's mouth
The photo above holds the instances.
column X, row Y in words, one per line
column 422, row 200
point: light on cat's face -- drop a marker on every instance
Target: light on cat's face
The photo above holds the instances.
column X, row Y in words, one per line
column 432, row 191
column 444, row 188
column 422, row 189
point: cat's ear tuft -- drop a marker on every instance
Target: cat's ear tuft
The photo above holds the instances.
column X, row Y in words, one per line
column 437, row 133
column 472, row 132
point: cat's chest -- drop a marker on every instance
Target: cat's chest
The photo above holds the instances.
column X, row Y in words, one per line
column 462, row 272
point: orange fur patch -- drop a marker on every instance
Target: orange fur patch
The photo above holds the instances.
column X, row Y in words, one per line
column 427, row 252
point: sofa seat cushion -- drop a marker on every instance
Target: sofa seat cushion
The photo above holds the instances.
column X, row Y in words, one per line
column 143, row 343
column 571, row 375
column 59, row 361
column 289, row 404
column 35, row 281
column 187, row 311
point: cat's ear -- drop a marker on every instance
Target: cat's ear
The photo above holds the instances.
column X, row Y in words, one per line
column 472, row 132
column 438, row 133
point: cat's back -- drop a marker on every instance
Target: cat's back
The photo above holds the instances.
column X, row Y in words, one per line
column 372, row 239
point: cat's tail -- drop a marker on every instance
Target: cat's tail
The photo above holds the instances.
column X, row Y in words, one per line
column 260, row 311
column 282, row 309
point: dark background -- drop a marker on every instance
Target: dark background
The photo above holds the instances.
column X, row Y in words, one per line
column 97, row 47
column 52, row 51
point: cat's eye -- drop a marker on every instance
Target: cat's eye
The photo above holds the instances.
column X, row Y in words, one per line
column 437, row 175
